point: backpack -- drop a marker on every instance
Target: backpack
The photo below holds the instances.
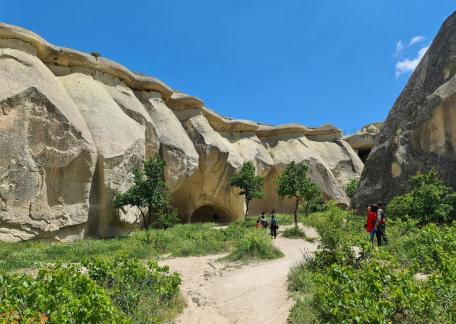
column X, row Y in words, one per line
column 382, row 217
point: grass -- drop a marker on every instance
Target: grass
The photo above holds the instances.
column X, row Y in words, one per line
column 256, row 245
column 180, row 240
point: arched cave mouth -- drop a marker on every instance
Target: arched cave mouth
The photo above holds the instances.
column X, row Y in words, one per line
column 364, row 154
column 209, row 214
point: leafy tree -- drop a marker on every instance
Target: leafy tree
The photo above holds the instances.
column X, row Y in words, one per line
column 295, row 183
column 352, row 188
column 149, row 191
column 429, row 200
column 250, row 184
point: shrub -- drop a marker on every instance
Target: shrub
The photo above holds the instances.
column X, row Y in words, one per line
column 58, row 294
column 294, row 232
column 372, row 294
column 166, row 220
column 352, row 188
column 95, row 54
column 134, row 286
column 429, row 200
column 256, row 244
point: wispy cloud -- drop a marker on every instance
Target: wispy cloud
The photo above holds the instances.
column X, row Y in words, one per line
column 399, row 48
column 415, row 40
column 409, row 65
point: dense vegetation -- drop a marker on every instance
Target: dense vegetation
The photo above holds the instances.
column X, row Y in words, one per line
column 117, row 291
column 413, row 279
column 429, row 200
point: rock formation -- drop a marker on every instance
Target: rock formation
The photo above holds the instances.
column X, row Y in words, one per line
column 363, row 140
column 420, row 131
column 73, row 125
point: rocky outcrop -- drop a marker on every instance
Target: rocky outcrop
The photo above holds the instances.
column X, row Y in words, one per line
column 363, row 140
column 420, row 131
column 48, row 155
column 73, row 125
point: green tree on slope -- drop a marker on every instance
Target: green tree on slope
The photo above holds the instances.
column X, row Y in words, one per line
column 149, row 191
column 295, row 183
column 250, row 184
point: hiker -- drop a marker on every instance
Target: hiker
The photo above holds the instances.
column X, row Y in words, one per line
column 371, row 223
column 274, row 226
column 381, row 220
column 263, row 221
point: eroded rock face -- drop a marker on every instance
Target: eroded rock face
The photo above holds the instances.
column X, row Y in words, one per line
column 363, row 141
column 331, row 166
column 120, row 143
column 73, row 126
column 176, row 148
column 47, row 159
column 419, row 133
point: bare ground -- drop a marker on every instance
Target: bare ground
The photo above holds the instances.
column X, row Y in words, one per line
column 222, row 292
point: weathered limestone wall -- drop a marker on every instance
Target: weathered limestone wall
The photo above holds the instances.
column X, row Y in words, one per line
column 73, row 125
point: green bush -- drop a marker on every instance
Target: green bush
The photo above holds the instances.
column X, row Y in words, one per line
column 352, row 188
column 429, row 247
column 372, row 294
column 166, row 220
column 256, row 244
column 429, row 200
column 58, row 294
column 134, row 286
column 294, row 232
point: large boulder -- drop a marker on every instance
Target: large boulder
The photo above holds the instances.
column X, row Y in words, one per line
column 363, row 140
column 48, row 156
column 420, row 131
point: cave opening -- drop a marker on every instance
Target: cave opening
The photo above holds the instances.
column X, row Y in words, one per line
column 209, row 214
column 364, row 154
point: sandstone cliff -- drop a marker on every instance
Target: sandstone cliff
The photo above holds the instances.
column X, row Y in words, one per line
column 420, row 131
column 72, row 125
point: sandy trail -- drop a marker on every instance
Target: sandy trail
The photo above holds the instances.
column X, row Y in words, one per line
column 222, row 292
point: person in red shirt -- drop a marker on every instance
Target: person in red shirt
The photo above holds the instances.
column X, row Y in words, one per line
column 371, row 225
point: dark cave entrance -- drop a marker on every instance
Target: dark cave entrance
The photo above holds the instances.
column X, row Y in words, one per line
column 364, row 154
column 209, row 214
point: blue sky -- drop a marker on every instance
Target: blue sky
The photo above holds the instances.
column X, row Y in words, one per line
column 306, row 61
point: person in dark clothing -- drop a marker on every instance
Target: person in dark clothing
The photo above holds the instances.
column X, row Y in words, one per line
column 381, row 220
column 274, row 227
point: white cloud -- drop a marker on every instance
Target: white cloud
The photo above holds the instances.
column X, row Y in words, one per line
column 399, row 48
column 416, row 40
column 409, row 65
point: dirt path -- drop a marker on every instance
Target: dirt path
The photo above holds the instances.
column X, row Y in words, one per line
column 221, row 292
